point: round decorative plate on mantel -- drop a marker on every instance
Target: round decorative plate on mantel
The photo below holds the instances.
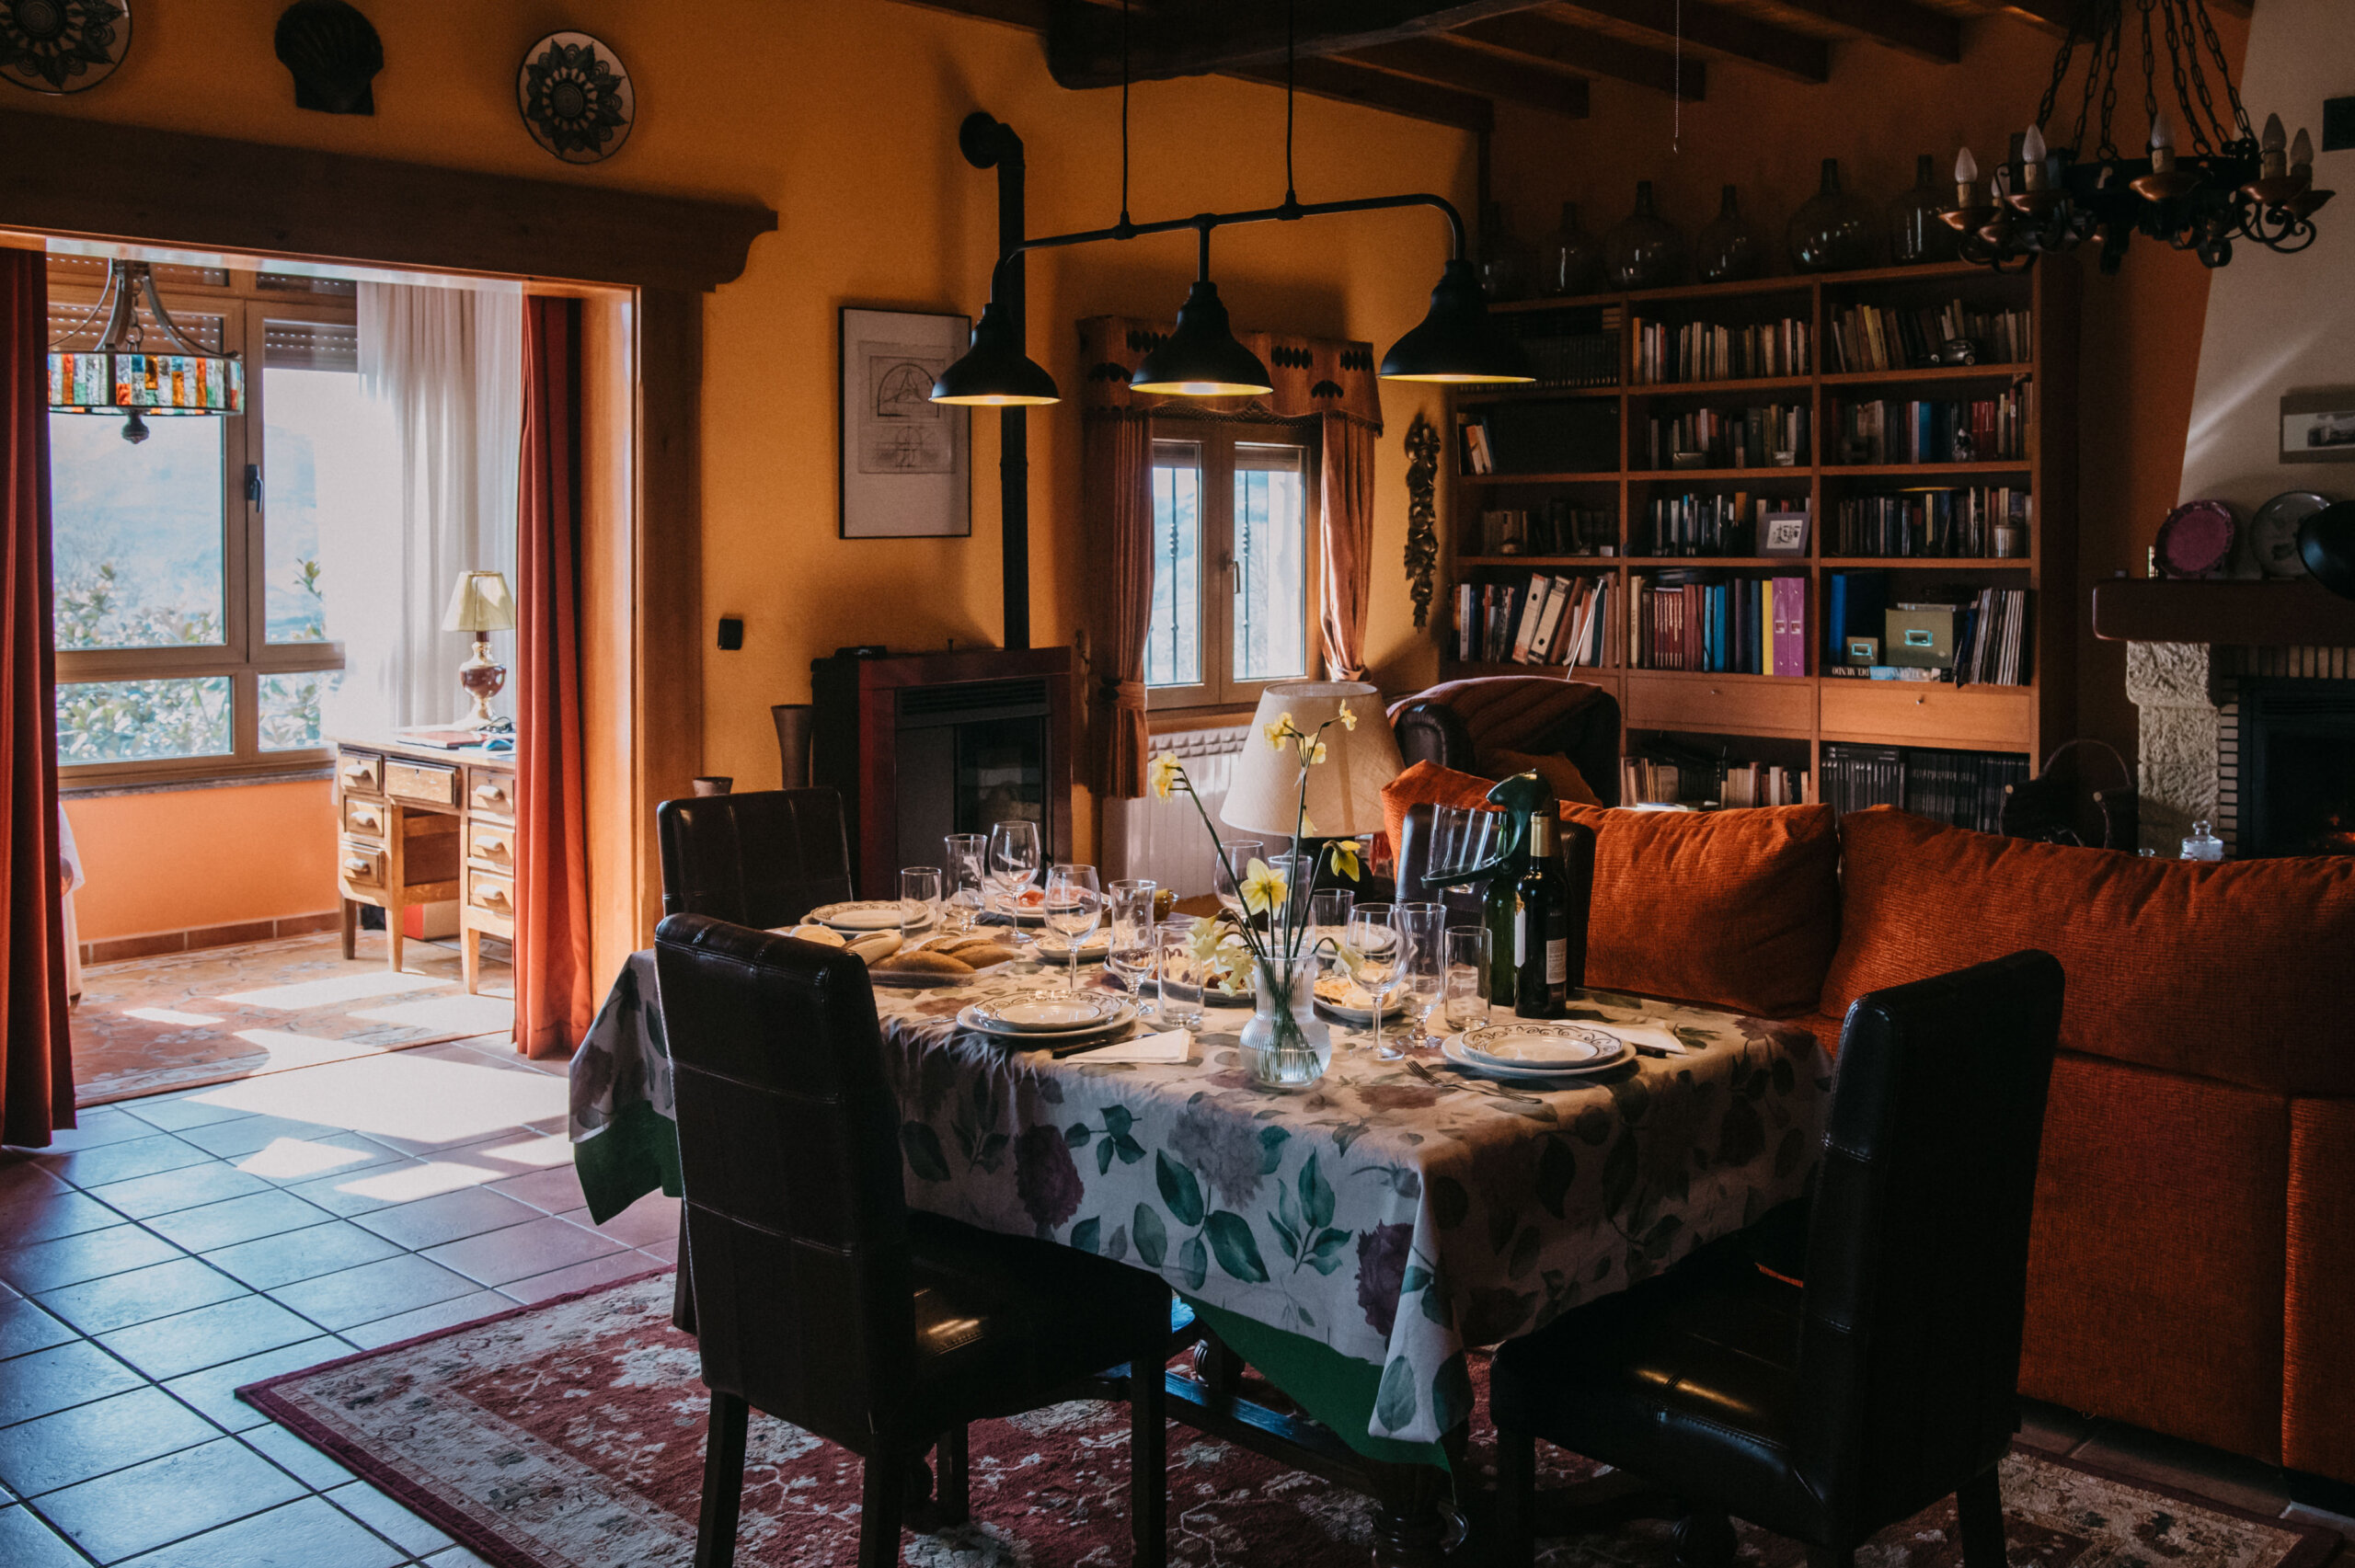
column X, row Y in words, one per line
column 2197, row 540
column 2273, row 533
column 575, row 97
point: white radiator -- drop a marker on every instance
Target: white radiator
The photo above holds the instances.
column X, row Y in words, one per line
column 1163, row 840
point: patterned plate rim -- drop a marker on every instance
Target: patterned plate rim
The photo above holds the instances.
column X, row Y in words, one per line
column 1604, row 1044
column 990, row 1006
column 823, row 915
column 1452, row 1049
column 970, row 1018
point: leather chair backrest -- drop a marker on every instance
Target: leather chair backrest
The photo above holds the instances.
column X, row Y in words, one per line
column 789, row 1164
column 1916, row 1276
column 1430, row 729
column 761, row 859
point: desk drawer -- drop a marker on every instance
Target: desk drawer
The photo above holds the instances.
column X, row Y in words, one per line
column 363, row 865
column 491, row 893
column 421, row 781
column 361, row 773
column 1925, row 713
column 492, row 792
column 1734, row 704
column 367, row 817
column 491, row 844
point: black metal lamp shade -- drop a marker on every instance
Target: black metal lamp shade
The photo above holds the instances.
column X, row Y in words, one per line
column 1201, row 358
column 2326, row 543
column 1456, row 341
column 995, row 373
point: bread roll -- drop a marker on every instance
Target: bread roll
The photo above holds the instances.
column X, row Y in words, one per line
column 983, row 955
column 921, row 964
column 824, row 936
column 877, row 945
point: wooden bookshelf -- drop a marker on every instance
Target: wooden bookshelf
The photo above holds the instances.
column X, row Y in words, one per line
column 1778, row 712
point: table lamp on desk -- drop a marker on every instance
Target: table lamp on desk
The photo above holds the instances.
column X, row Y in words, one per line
column 481, row 604
column 1344, row 791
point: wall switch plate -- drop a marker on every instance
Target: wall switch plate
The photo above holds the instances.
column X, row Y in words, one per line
column 2337, row 124
column 731, row 633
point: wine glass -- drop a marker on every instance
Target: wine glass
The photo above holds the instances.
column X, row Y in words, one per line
column 964, row 857
column 1376, row 953
column 919, row 900
column 1328, row 919
column 1134, row 944
column 1075, row 905
column 1229, row 869
column 1466, row 986
column 1174, row 942
column 1424, row 926
column 1012, row 866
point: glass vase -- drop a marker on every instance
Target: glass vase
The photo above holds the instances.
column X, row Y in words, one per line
column 1729, row 250
column 1573, row 258
column 1918, row 231
column 1505, row 262
column 1834, row 230
column 1285, row 1045
column 1645, row 251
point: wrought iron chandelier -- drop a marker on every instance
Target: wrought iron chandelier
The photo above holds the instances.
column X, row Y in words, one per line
column 2233, row 184
column 122, row 374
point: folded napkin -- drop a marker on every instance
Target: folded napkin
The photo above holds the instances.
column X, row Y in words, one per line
column 1652, row 1034
column 1169, row 1046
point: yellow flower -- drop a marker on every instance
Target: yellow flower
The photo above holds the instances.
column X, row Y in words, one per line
column 1278, row 731
column 1348, row 717
column 1312, row 750
column 1202, row 944
column 1167, row 774
column 1345, row 859
column 1263, row 887
column 1308, row 827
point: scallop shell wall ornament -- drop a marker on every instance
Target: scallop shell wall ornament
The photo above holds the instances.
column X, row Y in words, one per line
column 575, row 97
column 62, row 46
column 334, row 54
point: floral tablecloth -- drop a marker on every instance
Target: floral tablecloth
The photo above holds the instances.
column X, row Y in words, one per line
column 1398, row 1213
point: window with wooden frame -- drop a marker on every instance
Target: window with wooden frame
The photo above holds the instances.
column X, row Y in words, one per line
column 1235, row 559
column 191, row 605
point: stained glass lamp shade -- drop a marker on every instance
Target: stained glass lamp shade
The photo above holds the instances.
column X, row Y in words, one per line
column 125, row 374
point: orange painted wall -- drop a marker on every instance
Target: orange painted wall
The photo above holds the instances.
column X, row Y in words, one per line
column 199, row 857
column 2140, row 332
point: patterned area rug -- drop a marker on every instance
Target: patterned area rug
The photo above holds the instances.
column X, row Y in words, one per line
column 569, row 1435
column 146, row 1026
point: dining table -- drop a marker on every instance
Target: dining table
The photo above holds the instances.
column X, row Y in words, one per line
column 1356, row 1243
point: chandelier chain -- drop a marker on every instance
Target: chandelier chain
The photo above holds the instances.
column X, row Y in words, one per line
column 2216, row 48
column 2107, row 66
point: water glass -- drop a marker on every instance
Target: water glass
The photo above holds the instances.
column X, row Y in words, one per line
column 1074, row 907
column 1128, row 903
column 1174, row 958
column 1424, row 927
column 1013, row 865
column 965, row 860
column 1376, row 956
column 1229, row 869
column 1329, row 921
column 1467, row 983
column 919, row 900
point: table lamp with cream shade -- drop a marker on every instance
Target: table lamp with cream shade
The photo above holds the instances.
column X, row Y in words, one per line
column 480, row 605
column 1344, row 791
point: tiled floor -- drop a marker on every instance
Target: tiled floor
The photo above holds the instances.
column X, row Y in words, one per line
column 172, row 1249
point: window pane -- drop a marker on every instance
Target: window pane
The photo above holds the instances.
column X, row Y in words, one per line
column 138, row 533
column 1173, row 649
column 138, row 721
column 312, row 419
column 1271, row 564
column 290, row 709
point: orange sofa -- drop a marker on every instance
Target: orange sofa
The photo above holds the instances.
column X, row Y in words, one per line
column 2192, row 1267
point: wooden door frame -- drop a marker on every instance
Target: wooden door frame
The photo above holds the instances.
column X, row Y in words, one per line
column 642, row 261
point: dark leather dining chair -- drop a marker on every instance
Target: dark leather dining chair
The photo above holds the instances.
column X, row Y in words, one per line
column 1830, row 1410
column 821, row 1298
column 764, row 858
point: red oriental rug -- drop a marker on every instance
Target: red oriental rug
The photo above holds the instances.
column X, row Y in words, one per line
column 569, row 1435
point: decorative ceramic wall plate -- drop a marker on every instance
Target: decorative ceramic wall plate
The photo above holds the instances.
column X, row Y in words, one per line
column 2196, row 541
column 62, row 46
column 2273, row 533
column 575, row 97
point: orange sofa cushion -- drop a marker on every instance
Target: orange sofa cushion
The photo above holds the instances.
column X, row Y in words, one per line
column 2234, row 971
column 1738, row 909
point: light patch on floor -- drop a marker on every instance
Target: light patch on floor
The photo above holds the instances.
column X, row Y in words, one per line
column 282, row 1050
column 534, row 1153
column 459, row 1014
column 167, row 1016
column 290, row 1158
column 334, row 992
column 403, row 1094
column 406, row 1183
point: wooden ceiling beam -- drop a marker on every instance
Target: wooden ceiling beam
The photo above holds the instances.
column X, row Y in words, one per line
column 1578, row 49
column 1192, row 38
column 1914, row 30
column 1498, row 78
column 1720, row 34
column 1345, row 81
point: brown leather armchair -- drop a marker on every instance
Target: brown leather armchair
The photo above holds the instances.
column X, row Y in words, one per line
column 1458, row 724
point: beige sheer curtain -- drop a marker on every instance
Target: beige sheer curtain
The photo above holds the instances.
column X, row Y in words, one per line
column 1323, row 380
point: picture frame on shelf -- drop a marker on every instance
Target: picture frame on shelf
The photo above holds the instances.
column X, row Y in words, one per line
column 905, row 460
column 2318, row 426
column 1783, row 533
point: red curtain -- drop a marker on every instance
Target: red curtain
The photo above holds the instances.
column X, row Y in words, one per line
column 554, row 999
column 36, row 1059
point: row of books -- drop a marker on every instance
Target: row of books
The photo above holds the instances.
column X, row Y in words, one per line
column 1991, row 639
column 1963, row 788
column 1763, row 784
column 1684, row 619
column 1561, row 529
column 1923, row 431
column 1881, row 337
column 1652, row 781
column 1554, row 620
column 1716, row 524
column 1702, row 350
column 1577, row 361
column 1986, row 520
column 1771, row 437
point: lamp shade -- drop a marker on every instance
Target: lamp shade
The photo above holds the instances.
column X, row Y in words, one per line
column 1456, row 341
column 1201, row 358
column 1344, row 790
column 480, row 603
column 995, row 373
column 2326, row 543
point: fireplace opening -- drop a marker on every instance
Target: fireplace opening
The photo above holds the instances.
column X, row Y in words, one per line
column 2297, row 746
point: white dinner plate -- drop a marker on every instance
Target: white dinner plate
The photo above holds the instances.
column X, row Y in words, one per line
column 1054, row 948
column 1359, row 1014
column 1046, row 1012
column 865, row 915
column 1532, row 1043
column 1042, row 1038
column 1452, row 1050
column 1004, row 909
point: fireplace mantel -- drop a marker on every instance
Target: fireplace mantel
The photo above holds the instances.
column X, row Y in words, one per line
column 2297, row 613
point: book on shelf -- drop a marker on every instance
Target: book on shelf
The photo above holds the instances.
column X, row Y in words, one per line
column 1701, row 350
column 1558, row 528
column 1472, row 439
column 1964, row 789
column 1992, row 635
column 1989, row 521
column 1852, row 606
column 1572, row 348
column 1558, row 621
column 1722, row 523
column 1890, row 430
column 1774, row 436
column 1699, row 621
column 1883, row 337
column 1763, row 784
column 1992, row 639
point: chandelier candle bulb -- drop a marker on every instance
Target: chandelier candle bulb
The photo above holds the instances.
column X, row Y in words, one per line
column 2301, row 152
column 2032, row 155
column 2162, row 145
column 2275, row 145
column 1965, row 177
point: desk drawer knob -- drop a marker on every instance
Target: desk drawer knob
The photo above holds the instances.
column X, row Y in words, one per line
column 359, row 868
column 491, row 897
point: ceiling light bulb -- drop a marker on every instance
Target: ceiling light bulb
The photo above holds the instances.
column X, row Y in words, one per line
column 2302, row 151
column 2275, row 138
column 2162, row 131
column 1966, row 168
column 2032, row 146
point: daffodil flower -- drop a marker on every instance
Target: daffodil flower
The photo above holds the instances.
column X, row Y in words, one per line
column 1308, row 827
column 1167, row 774
column 1345, row 859
column 1348, row 717
column 1279, row 731
column 1263, row 887
column 1312, row 750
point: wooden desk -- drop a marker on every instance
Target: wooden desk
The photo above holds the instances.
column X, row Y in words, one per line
column 424, row 825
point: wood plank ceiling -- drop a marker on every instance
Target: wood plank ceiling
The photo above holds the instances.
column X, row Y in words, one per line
column 1453, row 60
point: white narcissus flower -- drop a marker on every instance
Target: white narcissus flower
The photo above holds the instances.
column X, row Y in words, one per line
column 1263, row 887
column 1349, row 717
column 1278, row 731
column 1167, row 774
column 1312, row 750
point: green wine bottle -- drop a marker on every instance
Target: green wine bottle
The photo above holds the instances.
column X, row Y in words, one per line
column 1502, row 916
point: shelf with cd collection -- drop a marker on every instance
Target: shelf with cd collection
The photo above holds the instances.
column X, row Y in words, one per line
column 1560, row 508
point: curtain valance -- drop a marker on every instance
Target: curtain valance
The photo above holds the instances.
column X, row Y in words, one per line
column 1314, row 377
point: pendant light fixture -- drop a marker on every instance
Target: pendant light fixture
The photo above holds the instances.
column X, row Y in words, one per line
column 122, row 374
column 1457, row 342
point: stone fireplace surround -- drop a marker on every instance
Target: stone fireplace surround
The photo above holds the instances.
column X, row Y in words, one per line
column 2189, row 697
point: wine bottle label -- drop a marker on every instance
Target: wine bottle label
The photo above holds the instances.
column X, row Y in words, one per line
column 1558, row 962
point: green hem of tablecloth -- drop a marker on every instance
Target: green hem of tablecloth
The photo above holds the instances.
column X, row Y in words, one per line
column 637, row 1152
column 1336, row 1390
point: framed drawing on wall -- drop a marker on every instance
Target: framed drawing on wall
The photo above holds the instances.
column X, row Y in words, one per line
column 2318, row 427
column 906, row 461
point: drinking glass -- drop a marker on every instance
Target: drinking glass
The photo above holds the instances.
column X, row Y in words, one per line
column 1328, row 919
column 1013, row 865
column 1175, row 943
column 1424, row 926
column 1228, row 870
column 919, row 900
column 1377, row 955
column 1128, row 903
column 1075, row 905
column 1467, row 983
column 966, row 858
column 1299, row 873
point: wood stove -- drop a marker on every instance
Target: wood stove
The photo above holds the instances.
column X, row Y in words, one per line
column 2297, row 767
column 924, row 745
